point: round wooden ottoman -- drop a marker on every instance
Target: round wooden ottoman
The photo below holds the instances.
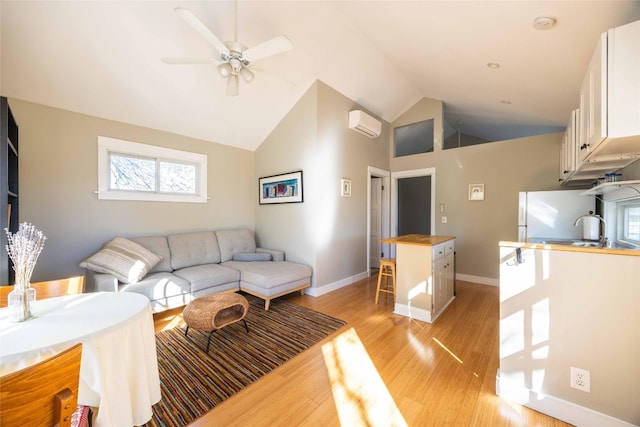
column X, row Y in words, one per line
column 213, row 312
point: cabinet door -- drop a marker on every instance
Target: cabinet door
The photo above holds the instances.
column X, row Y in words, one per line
column 593, row 101
column 449, row 277
column 439, row 285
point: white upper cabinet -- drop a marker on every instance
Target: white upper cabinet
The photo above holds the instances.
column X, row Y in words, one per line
column 610, row 98
column 568, row 148
column 607, row 127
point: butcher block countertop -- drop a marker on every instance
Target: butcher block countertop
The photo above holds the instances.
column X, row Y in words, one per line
column 571, row 248
column 417, row 239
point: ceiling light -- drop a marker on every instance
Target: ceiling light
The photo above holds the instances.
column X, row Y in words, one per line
column 544, row 22
column 493, row 65
column 246, row 74
column 224, row 69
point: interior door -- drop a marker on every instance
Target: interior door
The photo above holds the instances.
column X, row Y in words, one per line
column 375, row 231
column 414, row 205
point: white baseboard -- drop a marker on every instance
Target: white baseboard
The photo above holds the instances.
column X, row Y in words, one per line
column 413, row 312
column 316, row 292
column 478, row 279
column 555, row 407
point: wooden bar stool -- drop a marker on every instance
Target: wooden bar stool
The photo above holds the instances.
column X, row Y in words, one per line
column 388, row 270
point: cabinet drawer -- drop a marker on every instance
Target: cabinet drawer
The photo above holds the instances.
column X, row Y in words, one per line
column 438, row 251
column 449, row 247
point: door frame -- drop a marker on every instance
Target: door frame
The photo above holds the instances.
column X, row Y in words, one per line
column 395, row 176
column 384, row 210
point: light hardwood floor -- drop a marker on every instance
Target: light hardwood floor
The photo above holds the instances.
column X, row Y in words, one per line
column 382, row 369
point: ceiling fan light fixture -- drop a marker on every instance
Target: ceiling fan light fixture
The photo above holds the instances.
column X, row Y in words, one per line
column 225, row 69
column 233, row 85
column 246, row 74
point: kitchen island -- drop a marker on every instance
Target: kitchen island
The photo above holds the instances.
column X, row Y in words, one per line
column 563, row 307
column 424, row 274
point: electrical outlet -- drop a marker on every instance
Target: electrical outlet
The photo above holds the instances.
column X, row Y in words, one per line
column 580, row 379
column 444, row 219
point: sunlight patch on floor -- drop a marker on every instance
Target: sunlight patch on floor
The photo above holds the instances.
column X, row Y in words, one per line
column 360, row 395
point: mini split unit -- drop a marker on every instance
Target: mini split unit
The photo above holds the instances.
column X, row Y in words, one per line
column 365, row 124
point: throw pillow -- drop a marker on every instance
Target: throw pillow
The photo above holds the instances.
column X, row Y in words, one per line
column 251, row 256
column 128, row 261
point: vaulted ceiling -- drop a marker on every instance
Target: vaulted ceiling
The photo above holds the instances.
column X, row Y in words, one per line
column 102, row 58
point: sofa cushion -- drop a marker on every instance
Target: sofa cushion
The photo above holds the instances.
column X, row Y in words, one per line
column 189, row 249
column 270, row 274
column 234, row 241
column 209, row 275
column 158, row 286
column 126, row 260
column 252, row 256
column 158, row 245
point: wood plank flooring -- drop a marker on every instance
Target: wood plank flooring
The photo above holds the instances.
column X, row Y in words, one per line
column 382, row 369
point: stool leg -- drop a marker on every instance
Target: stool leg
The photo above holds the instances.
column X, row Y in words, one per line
column 393, row 281
column 245, row 325
column 379, row 280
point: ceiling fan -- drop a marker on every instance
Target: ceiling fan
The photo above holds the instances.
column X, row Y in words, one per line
column 235, row 59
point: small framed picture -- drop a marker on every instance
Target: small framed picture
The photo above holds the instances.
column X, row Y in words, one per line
column 476, row 191
column 345, row 188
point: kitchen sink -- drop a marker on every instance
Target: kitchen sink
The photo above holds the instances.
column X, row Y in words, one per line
column 581, row 243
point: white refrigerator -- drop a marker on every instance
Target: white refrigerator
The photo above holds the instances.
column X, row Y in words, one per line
column 551, row 214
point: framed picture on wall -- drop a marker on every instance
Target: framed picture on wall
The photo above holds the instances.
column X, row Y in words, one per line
column 476, row 191
column 283, row 188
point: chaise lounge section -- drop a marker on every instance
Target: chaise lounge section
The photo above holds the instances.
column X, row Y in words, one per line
column 172, row 270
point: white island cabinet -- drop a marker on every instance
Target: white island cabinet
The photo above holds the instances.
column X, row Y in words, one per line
column 564, row 307
column 424, row 274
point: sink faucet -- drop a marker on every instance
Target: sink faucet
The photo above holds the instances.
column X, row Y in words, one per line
column 604, row 241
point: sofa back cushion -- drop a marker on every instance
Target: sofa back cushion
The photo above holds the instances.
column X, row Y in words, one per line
column 235, row 241
column 189, row 249
column 159, row 246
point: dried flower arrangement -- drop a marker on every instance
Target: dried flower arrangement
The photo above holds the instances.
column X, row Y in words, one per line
column 23, row 248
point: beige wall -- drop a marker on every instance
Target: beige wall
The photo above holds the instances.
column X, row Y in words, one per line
column 327, row 231
column 505, row 168
column 58, row 177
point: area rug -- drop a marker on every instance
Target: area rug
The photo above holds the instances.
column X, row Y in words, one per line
column 192, row 381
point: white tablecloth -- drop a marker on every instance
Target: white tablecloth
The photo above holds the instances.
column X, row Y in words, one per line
column 119, row 369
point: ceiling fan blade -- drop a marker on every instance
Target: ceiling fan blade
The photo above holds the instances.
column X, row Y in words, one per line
column 270, row 47
column 201, row 29
column 189, row 60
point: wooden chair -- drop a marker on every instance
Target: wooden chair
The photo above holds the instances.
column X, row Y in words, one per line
column 387, row 270
column 44, row 394
column 49, row 289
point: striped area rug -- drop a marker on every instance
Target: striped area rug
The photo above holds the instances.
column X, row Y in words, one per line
column 192, row 381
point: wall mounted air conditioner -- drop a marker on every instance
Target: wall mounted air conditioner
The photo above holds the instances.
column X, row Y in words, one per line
column 365, row 124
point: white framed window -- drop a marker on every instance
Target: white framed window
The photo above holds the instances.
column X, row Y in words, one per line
column 133, row 171
column 629, row 222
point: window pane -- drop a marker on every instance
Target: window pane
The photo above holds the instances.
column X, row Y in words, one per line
column 131, row 173
column 177, row 178
column 632, row 223
column 415, row 138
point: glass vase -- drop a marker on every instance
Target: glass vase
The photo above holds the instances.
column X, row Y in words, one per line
column 20, row 302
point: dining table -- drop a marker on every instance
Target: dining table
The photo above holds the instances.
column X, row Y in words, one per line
column 119, row 368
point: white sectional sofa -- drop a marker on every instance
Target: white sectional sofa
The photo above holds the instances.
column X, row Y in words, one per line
column 172, row 270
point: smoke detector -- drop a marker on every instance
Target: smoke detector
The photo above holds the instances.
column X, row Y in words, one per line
column 544, row 22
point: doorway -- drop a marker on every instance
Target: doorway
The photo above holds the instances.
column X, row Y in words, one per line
column 417, row 204
column 378, row 222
